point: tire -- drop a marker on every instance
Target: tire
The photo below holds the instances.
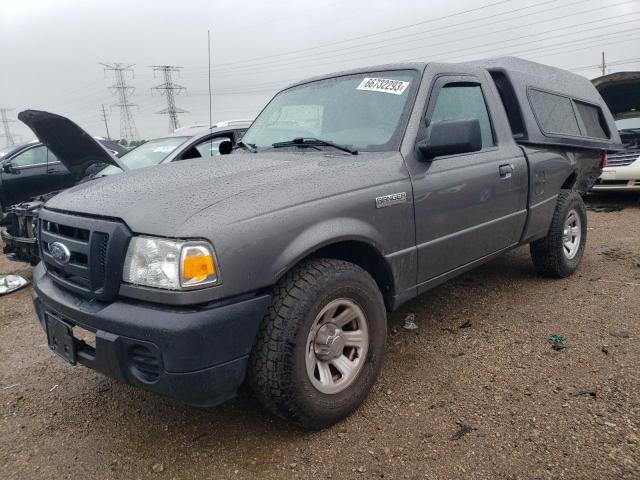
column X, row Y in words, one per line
column 556, row 255
column 286, row 360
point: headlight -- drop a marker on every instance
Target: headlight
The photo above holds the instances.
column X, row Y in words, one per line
column 170, row 264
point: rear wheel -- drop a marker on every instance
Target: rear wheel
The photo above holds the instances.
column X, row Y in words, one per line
column 319, row 349
column 559, row 253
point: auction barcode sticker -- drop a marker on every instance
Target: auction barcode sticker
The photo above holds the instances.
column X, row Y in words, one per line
column 397, row 87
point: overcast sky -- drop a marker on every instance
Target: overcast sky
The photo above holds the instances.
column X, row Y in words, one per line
column 50, row 51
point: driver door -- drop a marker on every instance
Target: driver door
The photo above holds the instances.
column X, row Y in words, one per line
column 470, row 205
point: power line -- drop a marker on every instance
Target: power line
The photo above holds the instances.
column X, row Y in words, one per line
column 593, row 41
column 312, row 62
column 596, row 40
column 403, row 27
column 624, row 61
column 170, row 90
column 127, row 125
column 387, row 41
column 447, row 29
column 7, row 135
column 472, row 51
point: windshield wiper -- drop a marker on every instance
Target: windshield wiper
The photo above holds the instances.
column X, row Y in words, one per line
column 313, row 142
column 247, row 146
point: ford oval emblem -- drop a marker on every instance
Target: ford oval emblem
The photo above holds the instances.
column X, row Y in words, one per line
column 60, row 253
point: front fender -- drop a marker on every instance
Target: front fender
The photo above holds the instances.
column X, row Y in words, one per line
column 325, row 233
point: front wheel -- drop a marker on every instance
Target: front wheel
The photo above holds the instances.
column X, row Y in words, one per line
column 319, row 349
column 559, row 253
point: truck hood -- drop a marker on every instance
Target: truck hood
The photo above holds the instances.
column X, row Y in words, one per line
column 74, row 147
column 159, row 200
column 621, row 93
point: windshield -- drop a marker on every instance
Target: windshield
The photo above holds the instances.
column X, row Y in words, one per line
column 366, row 111
column 148, row 154
column 628, row 123
column 4, row 151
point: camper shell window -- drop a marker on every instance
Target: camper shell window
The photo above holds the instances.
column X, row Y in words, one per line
column 554, row 113
column 510, row 102
column 593, row 122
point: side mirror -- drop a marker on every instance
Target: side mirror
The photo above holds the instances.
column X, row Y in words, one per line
column 450, row 137
column 225, row 147
column 7, row 167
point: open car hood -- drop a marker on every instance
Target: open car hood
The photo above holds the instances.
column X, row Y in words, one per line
column 74, row 147
column 621, row 93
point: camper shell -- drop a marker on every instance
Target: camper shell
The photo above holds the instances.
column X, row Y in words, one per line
column 550, row 106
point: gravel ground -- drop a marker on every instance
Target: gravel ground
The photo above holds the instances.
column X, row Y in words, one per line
column 475, row 392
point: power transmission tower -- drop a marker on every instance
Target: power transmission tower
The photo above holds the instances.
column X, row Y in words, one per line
column 170, row 90
column 8, row 136
column 103, row 115
column 123, row 91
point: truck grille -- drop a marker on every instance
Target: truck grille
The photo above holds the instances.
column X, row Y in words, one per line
column 96, row 250
column 623, row 159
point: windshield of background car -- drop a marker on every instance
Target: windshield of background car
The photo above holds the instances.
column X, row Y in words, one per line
column 628, row 124
column 5, row 151
column 366, row 111
column 148, row 154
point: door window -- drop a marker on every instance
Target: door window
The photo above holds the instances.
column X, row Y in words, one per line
column 209, row 148
column 463, row 101
column 34, row 156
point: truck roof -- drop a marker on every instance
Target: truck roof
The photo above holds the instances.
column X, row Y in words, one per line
column 545, row 105
column 420, row 66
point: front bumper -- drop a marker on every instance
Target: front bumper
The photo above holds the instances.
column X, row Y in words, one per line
column 19, row 248
column 197, row 355
column 624, row 177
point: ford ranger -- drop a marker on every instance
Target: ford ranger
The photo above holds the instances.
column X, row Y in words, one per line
column 277, row 263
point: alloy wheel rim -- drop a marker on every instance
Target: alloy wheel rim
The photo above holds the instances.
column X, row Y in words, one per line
column 571, row 235
column 337, row 346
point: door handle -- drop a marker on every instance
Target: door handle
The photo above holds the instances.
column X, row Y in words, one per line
column 505, row 170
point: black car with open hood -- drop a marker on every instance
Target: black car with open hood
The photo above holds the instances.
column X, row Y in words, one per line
column 74, row 147
column 68, row 156
column 65, row 155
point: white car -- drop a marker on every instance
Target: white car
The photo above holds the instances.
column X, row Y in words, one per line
column 621, row 92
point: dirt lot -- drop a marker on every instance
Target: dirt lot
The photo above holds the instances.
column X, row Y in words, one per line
column 475, row 392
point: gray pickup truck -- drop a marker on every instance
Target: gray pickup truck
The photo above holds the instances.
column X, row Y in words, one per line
column 278, row 263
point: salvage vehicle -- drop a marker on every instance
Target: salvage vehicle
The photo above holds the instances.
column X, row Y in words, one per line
column 349, row 195
column 30, row 169
column 621, row 93
column 19, row 235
